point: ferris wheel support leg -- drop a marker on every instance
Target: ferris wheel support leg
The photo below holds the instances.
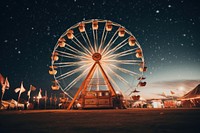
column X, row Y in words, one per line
column 83, row 86
column 110, row 87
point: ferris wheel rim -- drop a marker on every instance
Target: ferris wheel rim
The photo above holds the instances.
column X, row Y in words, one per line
column 87, row 22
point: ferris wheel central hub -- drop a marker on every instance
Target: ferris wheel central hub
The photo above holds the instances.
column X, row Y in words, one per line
column 96, row 56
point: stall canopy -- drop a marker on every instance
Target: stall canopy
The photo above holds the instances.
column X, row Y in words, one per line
column 193, row 94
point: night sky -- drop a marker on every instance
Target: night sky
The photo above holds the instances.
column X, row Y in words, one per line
column 167, row 30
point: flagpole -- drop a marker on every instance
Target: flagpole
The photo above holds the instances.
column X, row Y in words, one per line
column 21, row 90
column 5, row 86
column 18, row 99
column 38, row 103
column 30, row 93
column 55, row 100
column 45, row 98
column 51, row 100
column 19, row 94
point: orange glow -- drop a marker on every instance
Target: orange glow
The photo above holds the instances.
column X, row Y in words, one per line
column 55, row 87
column 55, row 58
column 52, row 72
column 62, row 44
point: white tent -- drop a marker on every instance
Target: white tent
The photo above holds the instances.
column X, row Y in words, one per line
column 157, row 104
column 11, row 104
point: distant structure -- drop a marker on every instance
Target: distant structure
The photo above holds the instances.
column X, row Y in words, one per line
column 192, row 98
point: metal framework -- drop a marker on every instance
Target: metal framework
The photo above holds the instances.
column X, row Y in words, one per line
column 83, row 87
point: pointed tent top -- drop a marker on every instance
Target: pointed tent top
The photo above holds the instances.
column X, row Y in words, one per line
column 194, row 93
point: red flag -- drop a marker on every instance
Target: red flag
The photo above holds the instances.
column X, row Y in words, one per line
column 32, row 88
column 2, row 79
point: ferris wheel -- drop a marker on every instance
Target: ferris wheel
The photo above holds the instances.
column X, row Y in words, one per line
column 97, row 55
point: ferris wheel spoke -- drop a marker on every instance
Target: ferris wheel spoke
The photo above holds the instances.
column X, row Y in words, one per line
column 128, row 62
column 73, row 57
column 95, row 38
column 69, row 73
column 75, row 50
column 70, row 55
column 81, row 46
column 126, row 70
column 68, row 95
column 70, row 48
column 107, row 45
column 124, row 53
column 69, row 86
column 98, row 77
column 120, row 78
column 102, row 38
column 68, row 64
column 117, row 47
column 89, row 46
column 89, row 41
column 96, row 41
column 113, row 81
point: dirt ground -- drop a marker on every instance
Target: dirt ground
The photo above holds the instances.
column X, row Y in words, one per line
column 101, row 121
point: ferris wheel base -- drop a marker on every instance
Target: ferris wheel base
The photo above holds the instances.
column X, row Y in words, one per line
column 99, row 100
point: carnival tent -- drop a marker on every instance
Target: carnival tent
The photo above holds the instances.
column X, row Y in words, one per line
column 11, row 104
column 192, row 98
column 193, row 94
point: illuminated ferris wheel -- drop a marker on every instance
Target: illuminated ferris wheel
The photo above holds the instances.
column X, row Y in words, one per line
column 95, row 55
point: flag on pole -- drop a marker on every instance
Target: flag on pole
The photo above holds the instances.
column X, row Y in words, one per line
column 39, row 94
column 1, row 79
column 7, row 84
column 45, row 99
column 39, row 97
column 32, row 88
column 29, row 93
column 21, row 89
column 172, row 92
column 46, row 95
